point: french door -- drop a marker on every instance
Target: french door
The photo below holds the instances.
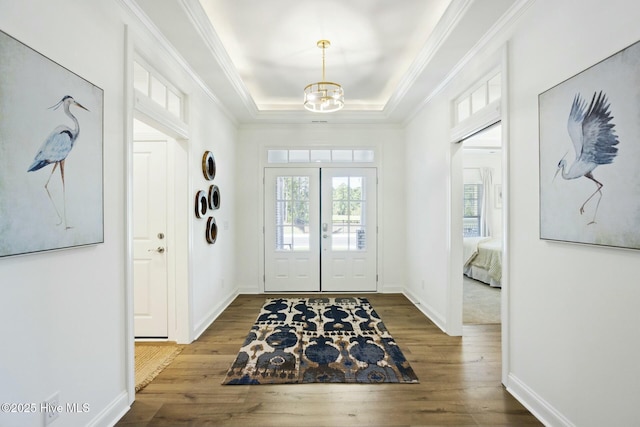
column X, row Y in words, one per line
column 320, row 229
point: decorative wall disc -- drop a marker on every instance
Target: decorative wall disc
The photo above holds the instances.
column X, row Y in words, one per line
column 201, row 204
column 214, row 197
column 209, row 165
column 212, row 230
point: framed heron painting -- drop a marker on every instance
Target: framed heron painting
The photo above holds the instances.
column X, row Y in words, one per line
column 51, row 170
column 589, row 154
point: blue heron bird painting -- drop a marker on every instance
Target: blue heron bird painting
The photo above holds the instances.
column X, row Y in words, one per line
column 589, row 142
column 51, row 154
column 55, row 150
column 594, row 141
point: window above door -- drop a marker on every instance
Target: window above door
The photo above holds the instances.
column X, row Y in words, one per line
column 282, row 156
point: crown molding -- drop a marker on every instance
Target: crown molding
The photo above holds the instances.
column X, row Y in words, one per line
column 137, row 13
column 340, row 117
column 202, row 24
column 500, row 27
column 452, row 16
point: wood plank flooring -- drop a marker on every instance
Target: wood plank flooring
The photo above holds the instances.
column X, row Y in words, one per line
column 459, row 381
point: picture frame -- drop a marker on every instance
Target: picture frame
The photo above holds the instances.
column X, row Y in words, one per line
column 51, row 154
column 588, row 155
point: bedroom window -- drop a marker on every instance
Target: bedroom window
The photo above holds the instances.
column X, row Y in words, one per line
column 471, row 216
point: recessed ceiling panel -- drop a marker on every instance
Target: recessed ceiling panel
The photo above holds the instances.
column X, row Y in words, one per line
column 272, row 44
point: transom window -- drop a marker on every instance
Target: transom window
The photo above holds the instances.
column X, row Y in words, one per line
column 320, row 156
column 487, row 91
column 153, row 86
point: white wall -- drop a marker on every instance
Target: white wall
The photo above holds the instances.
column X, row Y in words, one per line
column 210, row 268
column 427, row 181
column 573, row 313
column 62, row 314
column 253, row 142
column 212, row 265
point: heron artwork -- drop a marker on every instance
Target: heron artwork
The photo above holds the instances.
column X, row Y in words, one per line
column 594, row 141
column 55, row 149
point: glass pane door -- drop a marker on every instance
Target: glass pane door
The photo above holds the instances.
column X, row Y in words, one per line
column 292, row 212
column 349, row 249
column 348, row 201
column 315, row 226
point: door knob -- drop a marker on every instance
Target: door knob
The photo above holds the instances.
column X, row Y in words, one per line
column 325, row 236
column 160, row 250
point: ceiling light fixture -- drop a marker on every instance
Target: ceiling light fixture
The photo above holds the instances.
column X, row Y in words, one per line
column 323, row 96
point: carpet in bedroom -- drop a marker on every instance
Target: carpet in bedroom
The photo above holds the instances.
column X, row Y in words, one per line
column 481, row 304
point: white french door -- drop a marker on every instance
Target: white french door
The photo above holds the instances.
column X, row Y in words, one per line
column 320, row 229
column 349, row 229
column 292, row 218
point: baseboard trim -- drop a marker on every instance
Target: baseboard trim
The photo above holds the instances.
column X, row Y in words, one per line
column 248, row 290
column 110, row 415
column 426, row 309
column 540, row 408
column 391, row 289
column 213, row 315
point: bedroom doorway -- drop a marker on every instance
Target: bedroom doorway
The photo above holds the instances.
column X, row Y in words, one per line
column 483, row 227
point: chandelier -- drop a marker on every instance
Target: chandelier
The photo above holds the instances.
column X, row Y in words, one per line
column 323, row 96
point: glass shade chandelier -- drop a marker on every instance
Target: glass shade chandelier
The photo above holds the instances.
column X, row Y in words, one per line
column 323, row 96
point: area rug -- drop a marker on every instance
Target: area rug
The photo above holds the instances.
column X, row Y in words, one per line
column 150, row 360
column 319, row 340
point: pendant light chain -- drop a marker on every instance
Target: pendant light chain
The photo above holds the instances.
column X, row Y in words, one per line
column 323, row 48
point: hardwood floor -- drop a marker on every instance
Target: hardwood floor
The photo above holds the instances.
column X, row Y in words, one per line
column 459, row 381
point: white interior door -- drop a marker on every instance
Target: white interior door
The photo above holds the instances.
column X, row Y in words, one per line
column 149, row 239
column 349, row 229
column 291, row 232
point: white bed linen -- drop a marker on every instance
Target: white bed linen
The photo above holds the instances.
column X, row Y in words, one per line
column 484, row 262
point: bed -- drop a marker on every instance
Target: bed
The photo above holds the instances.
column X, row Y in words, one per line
column 483, row 259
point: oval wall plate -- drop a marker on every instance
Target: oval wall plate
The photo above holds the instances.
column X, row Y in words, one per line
column 201, row 204
column 208, row 165
column 212, row 230
column 214, row 197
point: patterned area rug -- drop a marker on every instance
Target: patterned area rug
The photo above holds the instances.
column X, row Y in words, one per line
column 319, row 340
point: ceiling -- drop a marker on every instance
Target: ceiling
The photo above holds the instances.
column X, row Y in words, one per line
column 256, row 57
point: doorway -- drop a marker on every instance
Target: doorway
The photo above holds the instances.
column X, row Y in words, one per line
column 320, row 229
column 483, row 227
column 155, row 235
